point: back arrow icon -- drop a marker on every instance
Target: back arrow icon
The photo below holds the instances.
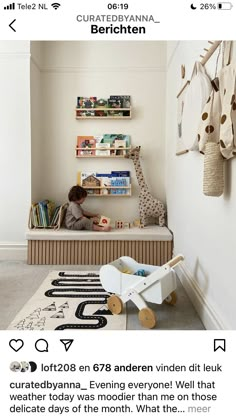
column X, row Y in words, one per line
column 12, row 24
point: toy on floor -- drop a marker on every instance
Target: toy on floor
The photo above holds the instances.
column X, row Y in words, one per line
column 129, row 280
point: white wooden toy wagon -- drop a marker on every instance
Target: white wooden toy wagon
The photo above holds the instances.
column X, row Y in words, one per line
column 141, row 283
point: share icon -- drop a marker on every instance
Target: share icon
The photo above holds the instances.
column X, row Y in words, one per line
column 67, row 343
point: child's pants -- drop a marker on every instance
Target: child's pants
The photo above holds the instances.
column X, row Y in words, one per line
column 83, row 224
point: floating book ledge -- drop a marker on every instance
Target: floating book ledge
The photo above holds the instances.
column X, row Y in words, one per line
column 103, row 151
column 103, row 112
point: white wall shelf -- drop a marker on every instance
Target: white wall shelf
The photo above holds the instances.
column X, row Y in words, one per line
column 103, row 153
column 108, row 113
column 109, row 188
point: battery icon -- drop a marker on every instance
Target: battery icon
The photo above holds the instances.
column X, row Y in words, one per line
column 226, row 5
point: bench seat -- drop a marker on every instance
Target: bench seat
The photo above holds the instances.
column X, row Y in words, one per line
column 150, row 245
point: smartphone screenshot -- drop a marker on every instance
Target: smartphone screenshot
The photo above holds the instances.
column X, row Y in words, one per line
column 117, row 209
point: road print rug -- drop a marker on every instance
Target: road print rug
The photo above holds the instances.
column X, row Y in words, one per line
column 68, row 300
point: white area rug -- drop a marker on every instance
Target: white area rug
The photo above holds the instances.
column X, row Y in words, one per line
column 68, row 300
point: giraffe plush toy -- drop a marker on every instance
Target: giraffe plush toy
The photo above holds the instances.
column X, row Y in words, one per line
column 149, row 206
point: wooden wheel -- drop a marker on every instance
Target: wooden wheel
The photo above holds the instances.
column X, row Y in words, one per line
column 171, row 299
column 115, row 304
column 147, row 318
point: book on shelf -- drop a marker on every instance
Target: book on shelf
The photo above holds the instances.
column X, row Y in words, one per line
column 105, row 179
column 86, row 102
column 90, row 191
column 119, row 191
column 102, row 149
column 98, row 139
column 88, row 144
column 111, row 138
column 105, row 182
column 124, row 100
column 120, row 181
column 120, row 146
column 82, row 175
column 115, row 103
column 121, row 173
column 117, row 141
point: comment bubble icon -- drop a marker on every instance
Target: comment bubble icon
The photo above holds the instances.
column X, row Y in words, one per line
column 41, row 345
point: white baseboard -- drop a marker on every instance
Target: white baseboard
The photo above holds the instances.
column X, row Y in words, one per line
column 13, row 252
column 206, row 312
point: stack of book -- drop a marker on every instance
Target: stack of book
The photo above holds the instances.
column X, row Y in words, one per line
column 44, row 214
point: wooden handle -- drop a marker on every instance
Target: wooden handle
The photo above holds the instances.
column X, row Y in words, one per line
column 176, row 260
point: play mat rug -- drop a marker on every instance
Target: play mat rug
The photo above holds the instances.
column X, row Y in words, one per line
column 68, row 300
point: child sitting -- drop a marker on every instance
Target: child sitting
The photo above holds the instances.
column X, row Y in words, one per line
column 77, row 218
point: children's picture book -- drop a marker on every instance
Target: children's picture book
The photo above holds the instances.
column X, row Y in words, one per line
column 98, row 139
column 115, row 103
column 123, row 99
column 83, row 175
column 102, row 149
column 105, row 179
column 120, row 146
column 83, row 102
column 87, row 144
column 120, row 173
column 42, row 213
column 111, row 138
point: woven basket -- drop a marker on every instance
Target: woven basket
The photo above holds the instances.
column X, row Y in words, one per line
column 213, row 177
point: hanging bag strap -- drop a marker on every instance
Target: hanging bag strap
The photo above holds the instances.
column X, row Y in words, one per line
column 227, row 52
column 198, row 68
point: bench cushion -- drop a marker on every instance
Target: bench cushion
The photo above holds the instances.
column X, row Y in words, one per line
column 149, row 233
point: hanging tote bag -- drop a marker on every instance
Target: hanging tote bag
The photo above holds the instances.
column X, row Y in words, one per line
column 227, row 78
column 209, row 143
column 213, row 173
column 209, row 127
column 208, row 136
column 196, row 96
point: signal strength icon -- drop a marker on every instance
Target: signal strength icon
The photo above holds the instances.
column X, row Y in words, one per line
column 10, row 6
column 55, row 5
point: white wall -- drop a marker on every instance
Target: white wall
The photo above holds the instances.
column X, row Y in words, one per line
column 39, row 84
column 204, row 227
column 15, row 171
column 36, row 121
column 71, row 69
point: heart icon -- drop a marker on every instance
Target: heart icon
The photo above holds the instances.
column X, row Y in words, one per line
column 16, row 345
